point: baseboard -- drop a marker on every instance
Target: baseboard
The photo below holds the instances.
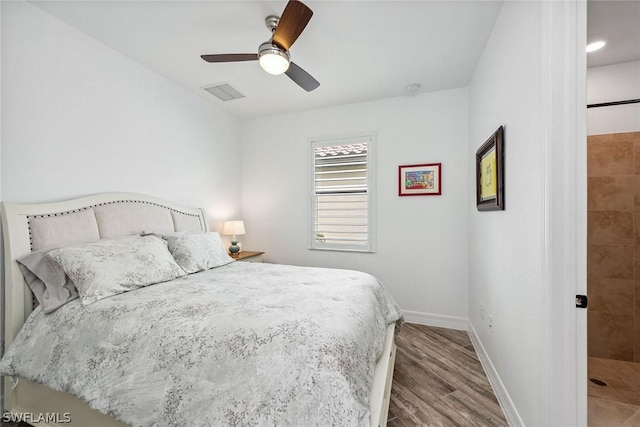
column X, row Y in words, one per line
column 439, row 320
column 509, row 409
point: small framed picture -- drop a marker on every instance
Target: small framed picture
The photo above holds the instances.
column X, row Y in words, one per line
column 490, row 173
column 420, row 180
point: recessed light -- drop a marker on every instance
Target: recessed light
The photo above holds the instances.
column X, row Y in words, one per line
column 592, row 47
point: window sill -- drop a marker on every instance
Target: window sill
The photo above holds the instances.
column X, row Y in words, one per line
column 364, row 251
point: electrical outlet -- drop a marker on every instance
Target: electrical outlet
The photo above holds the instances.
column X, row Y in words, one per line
column 482, row 311
column 491, row 323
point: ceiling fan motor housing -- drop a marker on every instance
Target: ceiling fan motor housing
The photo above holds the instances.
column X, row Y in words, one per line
column 271, row 22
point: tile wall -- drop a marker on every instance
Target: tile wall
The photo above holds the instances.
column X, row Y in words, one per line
column 613, row 246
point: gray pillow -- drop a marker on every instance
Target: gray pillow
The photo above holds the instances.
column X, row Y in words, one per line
column 47, row 280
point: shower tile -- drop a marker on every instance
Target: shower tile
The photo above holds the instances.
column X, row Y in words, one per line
column 636, row 274
column 611, row 405
column 614, row 250
column 636, row 327
column 610, row 193
column 636, row 264
column 599, row 368
column 630, row 377
column 611, row 227
column 606, row 137
column 635, row 137
column 607, row 392
column 631, row 396
column 634, row 421
column 610, row 335
column 611, row 295
column 609, row 156
column 636, row 192
column 636, row 369
column 618, row 374
column 613, row 137
column 636, row 305
column 608, row 413
column 636, row 217
column 610, row 261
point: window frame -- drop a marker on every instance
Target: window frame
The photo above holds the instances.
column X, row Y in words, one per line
column 370, row 138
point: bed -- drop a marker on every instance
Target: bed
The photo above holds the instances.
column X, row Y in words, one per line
column 288, row 382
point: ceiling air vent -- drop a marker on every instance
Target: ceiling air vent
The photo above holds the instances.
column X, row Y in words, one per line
column 224, row 91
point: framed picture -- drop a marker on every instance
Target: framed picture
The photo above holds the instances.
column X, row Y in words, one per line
column 490, row 173
column 420, row 180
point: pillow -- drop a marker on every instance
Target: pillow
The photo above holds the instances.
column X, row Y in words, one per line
column 47, row 280
column 197, row 251
column 110, row 267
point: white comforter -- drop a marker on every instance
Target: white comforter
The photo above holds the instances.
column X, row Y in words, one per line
column 243, row 344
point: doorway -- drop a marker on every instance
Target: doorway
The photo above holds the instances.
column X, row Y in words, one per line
column 613, row 214
column 613, row 251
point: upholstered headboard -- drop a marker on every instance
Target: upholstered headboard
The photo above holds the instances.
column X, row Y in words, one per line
column 30, row 227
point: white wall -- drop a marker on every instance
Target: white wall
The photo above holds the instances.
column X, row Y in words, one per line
column 506, row 248
column 80, row 118
column 422, row 241
column 527, row 263
column 618, row 82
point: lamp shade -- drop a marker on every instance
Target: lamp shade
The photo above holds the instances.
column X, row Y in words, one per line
column 233, row 228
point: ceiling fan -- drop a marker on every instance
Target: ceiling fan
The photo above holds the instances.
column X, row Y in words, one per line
column 273, row 54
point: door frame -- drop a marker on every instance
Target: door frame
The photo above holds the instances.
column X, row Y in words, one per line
column 564, row 73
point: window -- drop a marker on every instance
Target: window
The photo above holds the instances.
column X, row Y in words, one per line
column 342, row 194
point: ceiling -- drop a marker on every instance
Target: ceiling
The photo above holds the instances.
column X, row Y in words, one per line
column 617, row 23
column 358, row 50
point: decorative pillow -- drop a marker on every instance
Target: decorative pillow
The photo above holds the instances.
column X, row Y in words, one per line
column 47, row 280
column 110, row 267
column 197, row 251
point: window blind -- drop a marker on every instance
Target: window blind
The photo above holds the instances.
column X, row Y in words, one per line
column 341, row 196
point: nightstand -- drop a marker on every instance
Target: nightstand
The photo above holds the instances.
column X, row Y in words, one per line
column 248, row 256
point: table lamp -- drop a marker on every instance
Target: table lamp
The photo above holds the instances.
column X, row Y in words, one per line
column 233, row 228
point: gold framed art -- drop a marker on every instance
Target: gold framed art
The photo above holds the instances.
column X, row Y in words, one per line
column 490, row 173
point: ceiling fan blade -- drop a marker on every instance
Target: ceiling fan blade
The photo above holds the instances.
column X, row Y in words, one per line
column 295, row 17
column 302, row 78
column 230, row 57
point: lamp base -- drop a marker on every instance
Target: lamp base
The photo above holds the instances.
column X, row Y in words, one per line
column 234, row 249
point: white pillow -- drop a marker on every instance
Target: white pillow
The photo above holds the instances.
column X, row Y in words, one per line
column 110, row 267
column 197, row 251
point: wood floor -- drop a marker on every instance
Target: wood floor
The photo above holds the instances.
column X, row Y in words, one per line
column 438, row 381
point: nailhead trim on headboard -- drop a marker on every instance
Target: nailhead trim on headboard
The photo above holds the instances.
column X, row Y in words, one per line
column 29, row 217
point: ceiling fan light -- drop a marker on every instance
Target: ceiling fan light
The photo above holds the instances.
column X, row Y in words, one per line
column 274, row 64
column 273, row 60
